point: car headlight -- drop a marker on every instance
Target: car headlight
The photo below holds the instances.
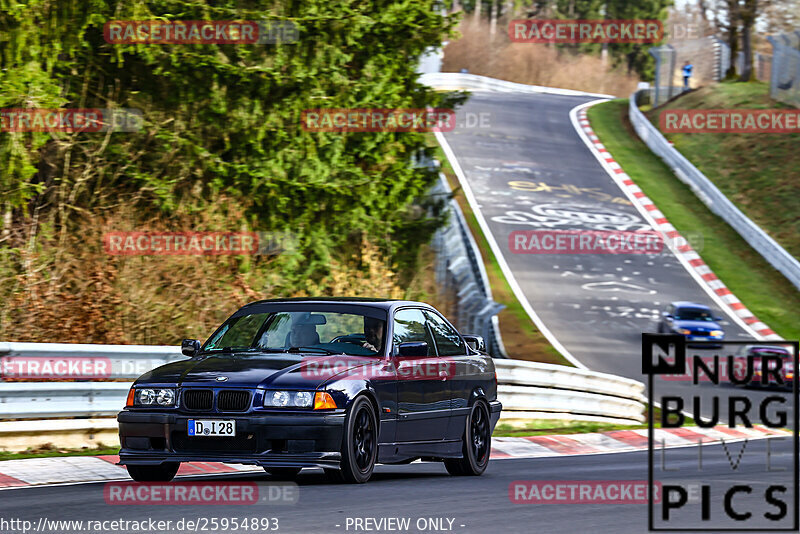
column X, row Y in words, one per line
column 288, row 399
column 716, row 333
column 154, row 397
column 684, row 331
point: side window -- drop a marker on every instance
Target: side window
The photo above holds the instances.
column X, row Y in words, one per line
column 447, row 339
column 409, row 326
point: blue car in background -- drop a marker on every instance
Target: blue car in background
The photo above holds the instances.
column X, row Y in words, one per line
column 694, row 321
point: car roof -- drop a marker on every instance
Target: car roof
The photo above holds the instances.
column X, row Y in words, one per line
column 768, row 347
column 688, row 304
column 385, row 304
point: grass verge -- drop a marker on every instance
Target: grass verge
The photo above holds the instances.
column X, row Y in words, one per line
column 756, row 171
column 48, row 452
column 771, row 297
column 544, row 427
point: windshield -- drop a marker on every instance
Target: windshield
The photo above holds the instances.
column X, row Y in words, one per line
column 693, row 314
column 300, row 331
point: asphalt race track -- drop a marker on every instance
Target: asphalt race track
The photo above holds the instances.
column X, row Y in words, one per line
column 528, row 169
column 473, row 504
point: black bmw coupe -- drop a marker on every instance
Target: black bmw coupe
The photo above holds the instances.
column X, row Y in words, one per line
column 340, row 384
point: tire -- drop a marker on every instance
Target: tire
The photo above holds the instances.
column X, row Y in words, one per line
column 153, row 473
column 359, row 444
column 283, row 473
column 476, row 443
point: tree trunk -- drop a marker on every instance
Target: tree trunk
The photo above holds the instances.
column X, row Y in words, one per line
column 733, row 36
column 747, row 52
column 701, row 4
column 477, row 13
column 493, row 19
column 748, row 16
column 604, row 48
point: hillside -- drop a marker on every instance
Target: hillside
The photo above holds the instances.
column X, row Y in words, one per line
column 757, row 171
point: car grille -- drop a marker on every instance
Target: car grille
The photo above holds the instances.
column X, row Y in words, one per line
column 233, row 401
column 245, row 443
column 198, row 399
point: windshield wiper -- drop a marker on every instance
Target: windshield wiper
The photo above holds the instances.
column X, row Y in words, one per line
column 308, row 349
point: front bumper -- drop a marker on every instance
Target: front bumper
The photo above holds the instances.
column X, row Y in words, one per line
column 704, row 338
column 270, row 440
column 691, row 339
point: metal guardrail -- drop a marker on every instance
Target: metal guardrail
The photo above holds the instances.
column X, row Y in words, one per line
column 524, row 387
column 456, row 81
column 540, row 388
column 712, row 197
column 107, row 361
column 460, row 269
column 36, row 400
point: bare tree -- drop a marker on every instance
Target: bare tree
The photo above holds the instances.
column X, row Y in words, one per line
column 781, row 15
column 728, row 20
column 493, row 19
column 748, row 14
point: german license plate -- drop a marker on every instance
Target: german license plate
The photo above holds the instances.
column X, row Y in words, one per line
column 211, row 427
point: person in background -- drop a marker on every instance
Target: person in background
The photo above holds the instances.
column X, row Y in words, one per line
column 687, row 73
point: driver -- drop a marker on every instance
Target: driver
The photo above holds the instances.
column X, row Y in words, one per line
column 373, row 331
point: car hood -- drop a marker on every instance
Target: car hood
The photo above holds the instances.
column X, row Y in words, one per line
column 697, row 325
column 256, row 370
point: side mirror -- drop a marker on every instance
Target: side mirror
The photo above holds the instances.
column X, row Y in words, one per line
column 413, row 349
column 475, row 342
column 717, row 318
column 190, row 347
column 667, row 315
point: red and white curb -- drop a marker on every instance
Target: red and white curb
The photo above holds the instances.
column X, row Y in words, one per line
column 82, row 469
column 77, row 469
column 682, row 249
column 623, row 441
